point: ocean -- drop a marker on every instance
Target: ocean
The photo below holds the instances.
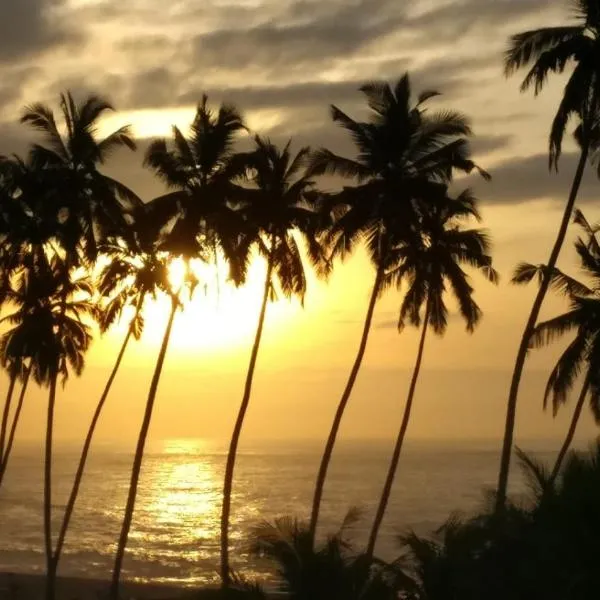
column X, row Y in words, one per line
column 174, row 538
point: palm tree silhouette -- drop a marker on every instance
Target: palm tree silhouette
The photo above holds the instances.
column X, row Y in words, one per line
column 431, row 262
column 84, row 207
column 550, row 50
column 29, row 221
column 124, row 282
column 196, row 218
column 405, row 156
column 27, row 233
column 281, row 200
column 49, row 327
column 151, row 273
column 581, row 355
column 331, row 570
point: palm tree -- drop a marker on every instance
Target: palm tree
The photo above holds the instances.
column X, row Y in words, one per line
column 29, row 226
column 405, row 156
column 83, row 206
column 333, row 570
column 152, row 275
column 196, row 218
column 582, row 355
column 281, row 200
column 431, row 262
column 550, row 50
column 86, row 206
column 542, row 547
column 124, row 282
column 48, row 327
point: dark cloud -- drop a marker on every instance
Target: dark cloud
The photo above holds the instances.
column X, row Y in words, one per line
column 150, row 89
column 456, row 19
column 523, row 179
column 486, row 144
column 15, row 139
column 28, row 27
column 275, row 56
column 14, row 82
column 316, row 39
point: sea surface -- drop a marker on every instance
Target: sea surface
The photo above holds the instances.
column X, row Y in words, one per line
column 174, row 538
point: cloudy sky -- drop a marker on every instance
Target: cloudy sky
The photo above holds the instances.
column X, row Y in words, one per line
column 283, row 62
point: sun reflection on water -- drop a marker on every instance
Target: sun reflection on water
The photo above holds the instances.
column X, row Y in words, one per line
column 185, row 492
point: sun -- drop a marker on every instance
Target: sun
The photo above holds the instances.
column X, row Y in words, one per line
column 219, row 316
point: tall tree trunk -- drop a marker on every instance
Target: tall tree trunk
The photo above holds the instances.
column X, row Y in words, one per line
column 13, row 429
column 51, row 564
column 90, row 435
column 6, row 415
column 511, row 408
column 339, row 413
column 389, row 481
column 237, row 430
column 48, row 544
column 139, row 455
column 571, row 433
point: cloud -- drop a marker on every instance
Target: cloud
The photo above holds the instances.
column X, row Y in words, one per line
column 299, row 38
column 523, row 179
column 486, row 144
column 28, row 27
column 459, row 18
column 291, row 59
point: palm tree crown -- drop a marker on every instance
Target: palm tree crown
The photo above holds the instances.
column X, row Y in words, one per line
column 552, row 50
column 197, row 217
column 582, row 355
column 52, row 333
column 406, row 155
column 282, row 200
column 83, row 204
column 433, row 258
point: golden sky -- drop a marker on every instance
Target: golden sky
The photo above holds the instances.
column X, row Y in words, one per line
column 283, row 62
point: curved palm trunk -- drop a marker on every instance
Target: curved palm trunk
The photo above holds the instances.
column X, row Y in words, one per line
column 237, row 430
column 137, row 461
column 511, row 408
column 50, row 564
column 6, row 415
column 339, row 413
column 387, row 488
column 13, row 428
column 571, row 433
column 88, row 441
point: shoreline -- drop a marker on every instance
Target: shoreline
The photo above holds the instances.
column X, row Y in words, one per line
column 30, row 586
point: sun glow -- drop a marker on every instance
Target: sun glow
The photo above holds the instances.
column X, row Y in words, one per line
column 219, row 316
column 150, row 123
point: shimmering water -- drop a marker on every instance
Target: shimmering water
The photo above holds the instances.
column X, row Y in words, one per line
column 175, row 532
